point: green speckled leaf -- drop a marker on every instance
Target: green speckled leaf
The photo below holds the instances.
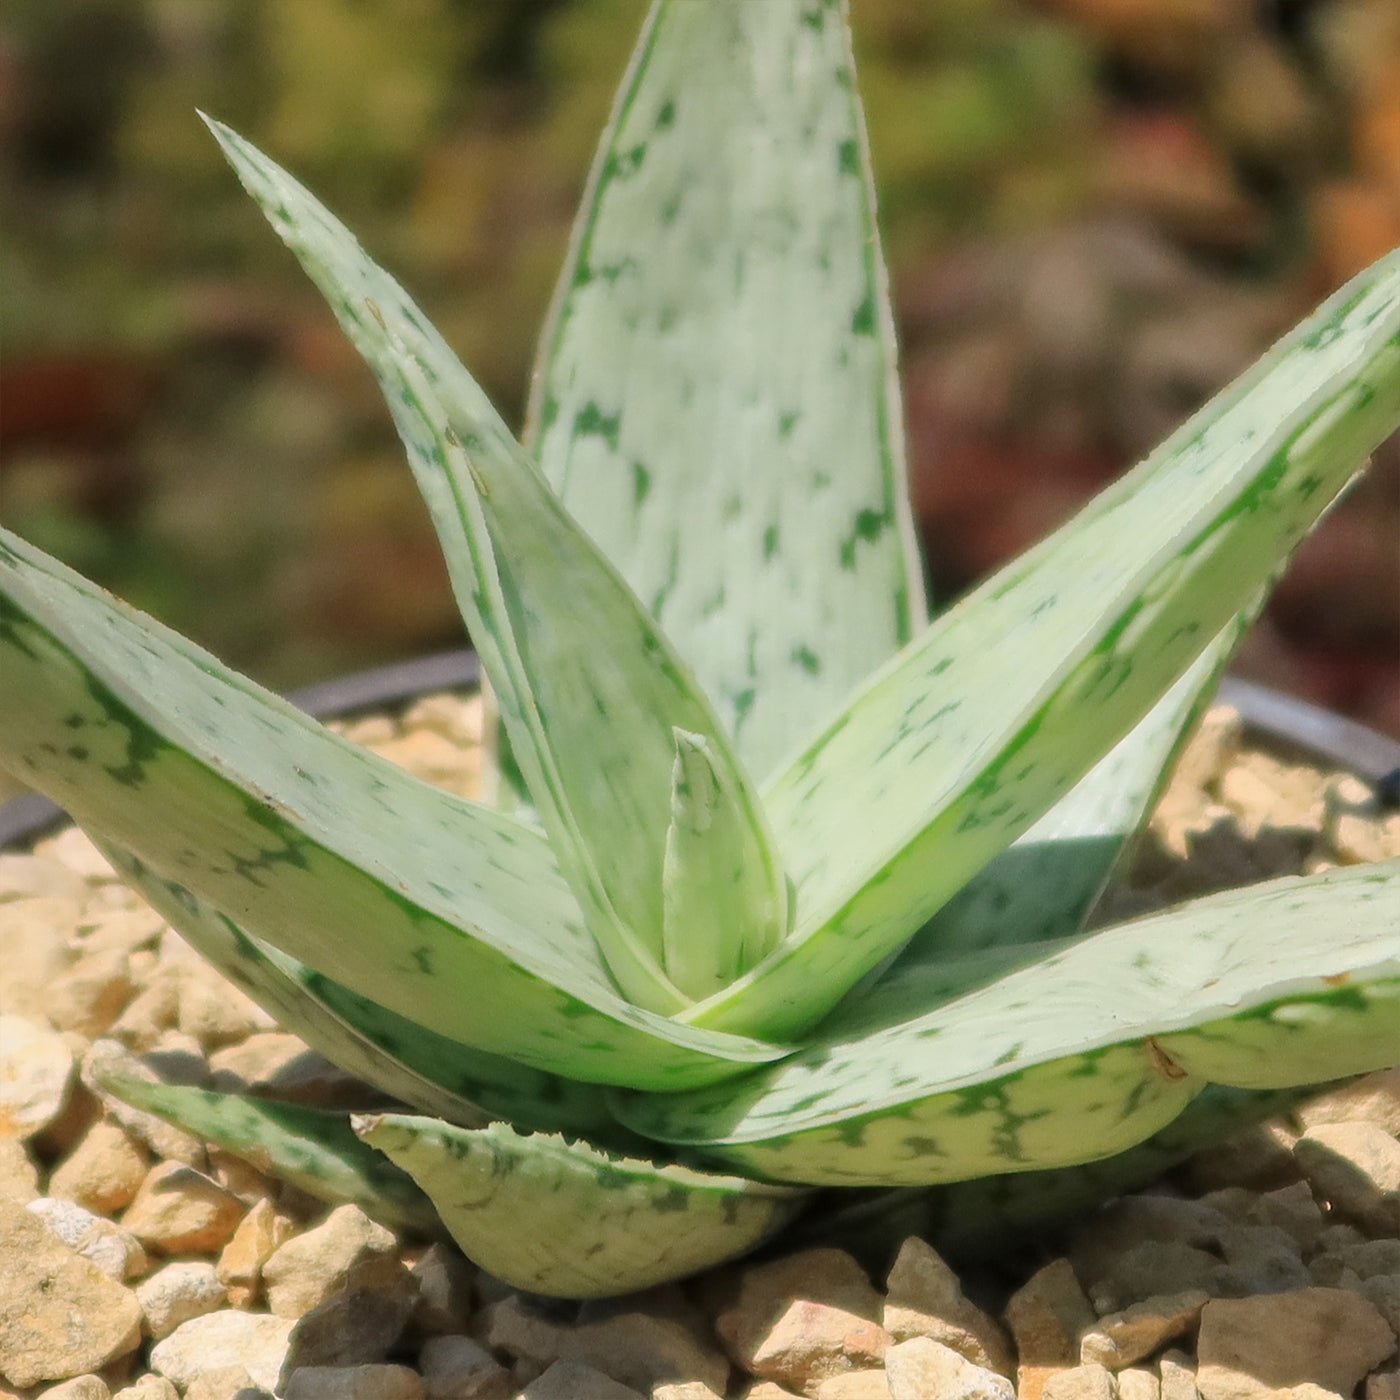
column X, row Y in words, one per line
column 443, row 911
column 1077, row 1053
column 420, row 1068
column 312, row 1149
column 588, row 687
column 716, row 399
column 563, row 1219
column 973, row 731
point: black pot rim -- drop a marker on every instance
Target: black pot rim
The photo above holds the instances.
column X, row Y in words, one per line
column 1283, row 720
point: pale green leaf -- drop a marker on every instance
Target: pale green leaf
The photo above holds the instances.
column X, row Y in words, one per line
column 442, row 910
column 588, row 687
column 974, row 730
column 1082, row 1051
column 716, row 400
column 564, row 1219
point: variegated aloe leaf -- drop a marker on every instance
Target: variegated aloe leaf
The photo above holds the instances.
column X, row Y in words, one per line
column 309, row 1147
column 590, row 690
column 444, row 911
column 427, row 1071
column 716, row 399
column 564, row 1219
column 1077, row 1054
column 975, row 729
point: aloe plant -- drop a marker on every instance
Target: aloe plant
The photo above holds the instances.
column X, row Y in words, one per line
column 784, row 887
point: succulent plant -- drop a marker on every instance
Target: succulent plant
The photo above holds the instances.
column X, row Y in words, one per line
column 783, row 886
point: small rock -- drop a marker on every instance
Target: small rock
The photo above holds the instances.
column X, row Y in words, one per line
column 1134, row 1220
column 104, row 1171
column 1326, row 1336
column 226, row 1383
column 1374, row 1098
column 89, row 995
column 257, row 1342
column 1122, row 1338
column 19, row 1177
column 1088, row 1381
column 1292, row 1208
column 261, row 1231
column 148, row 1015
column 73, row 847
column 115, row 1251
column 1178, row 1377
column 572, row 1380
column 766, row 1291
column 1383, row 1385
column 642, row 1350
column 87, row 1387
column 36, row 1070
column 60, row 1315
column 1356, row 1168
column 1047, row 1314
column 179, row 1291
column 148, row 1387
column 353, row 1383
column 1259, row 1259
column 446, row 1296
column 164, row 1140
column 1133, row 1383
column 1154, row 1269
column 353, row 1329
column 511, row 1326
column 460, row 1368
column 925, row 1299
column 34, row 947
column 346, row 1251
column 812, row 1341
column 179, row 1210
column 214, row 1011
column 1259, row 1157
column 855, row 1385
column 687, row 1390
column 921, row 1367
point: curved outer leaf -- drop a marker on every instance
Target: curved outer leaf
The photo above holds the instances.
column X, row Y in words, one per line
column 589, row 689
column 716, row 401
column 974, row 730
column 567, row 1220
column 1077, row 1054
column 442, row 910
column 420, row 1068
column 309, row 1147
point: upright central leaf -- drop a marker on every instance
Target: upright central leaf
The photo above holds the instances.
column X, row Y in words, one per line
column 716, row 402
column 591, row 691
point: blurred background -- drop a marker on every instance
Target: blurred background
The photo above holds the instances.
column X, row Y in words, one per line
column 1096, row 212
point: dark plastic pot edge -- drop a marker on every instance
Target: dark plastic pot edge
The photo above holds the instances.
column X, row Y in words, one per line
column 1283, row 720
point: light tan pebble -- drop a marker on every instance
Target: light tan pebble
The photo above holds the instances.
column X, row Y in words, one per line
column 182, row 1289
column 216, row 1012
column 921, row 1367
column 1382, row 1385
column 117, row 1252
column 226, row 1383
column 510, row 1326
column 1262, row 792
column 177, row 1058
column 240, row 1178
column 1327, row 1336
column 256, row 1341
column 121, row 929
column 460, row 1368
column 253, row 1061
column 103, row 1171
column 1088, row 1381
column 91, row 993
column 1154, row 1269
column 162, row 1138
column 1178, row 1376
column 854, row 1385
column 768, row 1390
column 367, row 732
column 148, row 1015
column 1122, row 1338
column 1359, row 839
column 455, row 717
column 573, row 1380
column 36, row 1072
column 19, row 1177
column 812, row 1341
column 251, row 1245
column 89, row 1387
column 446, row 1291
column 283, row 1067
column 148, row 1387
column 1047, row 1314
column 925, row 1299
column 73, row 848
column 367, row 1382
column 27, row 876
column 178, row 1210
column 34, row 950
column 60, row 1315
column 766, row 1291
column 1135, row 1383
column 1374, row 1098
column 436, row 760
column 1030, row 1380
column 346, row 1252
column 1355, row 1167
